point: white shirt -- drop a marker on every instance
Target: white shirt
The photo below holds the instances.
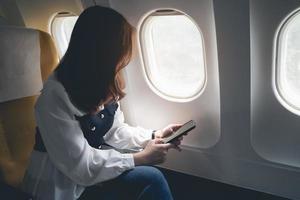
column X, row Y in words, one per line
column 71, row 163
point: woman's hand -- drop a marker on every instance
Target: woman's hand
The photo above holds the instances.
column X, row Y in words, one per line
column 169, row 130
column 154, row 153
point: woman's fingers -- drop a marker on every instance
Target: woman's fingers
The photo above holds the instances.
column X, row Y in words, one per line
column 175, row 127
column 159, row 141
column 164, row 147
column 177, row 142
column 170, row 129
column 178, row 148
column 167, row 146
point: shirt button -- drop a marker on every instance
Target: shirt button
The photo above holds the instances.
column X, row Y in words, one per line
column 101, row 107
column 102, row 116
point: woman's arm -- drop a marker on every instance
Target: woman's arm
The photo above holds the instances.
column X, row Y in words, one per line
column 123, row 136
column 155, row 152
column 67, row 147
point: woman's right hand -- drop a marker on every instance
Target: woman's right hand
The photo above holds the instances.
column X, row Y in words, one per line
column 154, row 153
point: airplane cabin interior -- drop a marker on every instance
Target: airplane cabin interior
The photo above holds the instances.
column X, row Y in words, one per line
column 232, row 66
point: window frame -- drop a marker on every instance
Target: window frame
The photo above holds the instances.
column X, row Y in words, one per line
column 277, row 67
column 145, row 60
column 53, row 31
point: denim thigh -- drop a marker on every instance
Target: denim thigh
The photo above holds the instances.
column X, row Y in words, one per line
column 140, row 183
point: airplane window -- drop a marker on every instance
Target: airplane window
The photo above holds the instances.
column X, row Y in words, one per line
column 173, row 55
column 287, row 73
column 61, row 28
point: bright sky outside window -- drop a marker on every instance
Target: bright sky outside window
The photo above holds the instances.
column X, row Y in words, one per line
column 173, row 54
column 61, row 29
column 288, row 62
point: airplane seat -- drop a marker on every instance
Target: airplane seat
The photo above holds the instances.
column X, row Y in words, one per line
column 2, row 21
column 17, row 123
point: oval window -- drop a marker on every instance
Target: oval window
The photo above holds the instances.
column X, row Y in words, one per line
column 173, row 55
column 61, row 30
column 287, row 72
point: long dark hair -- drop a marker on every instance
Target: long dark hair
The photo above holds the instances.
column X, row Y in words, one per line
column 100, row 45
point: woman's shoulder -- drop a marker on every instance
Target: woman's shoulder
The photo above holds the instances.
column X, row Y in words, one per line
column 53, row 86
column 53, row 95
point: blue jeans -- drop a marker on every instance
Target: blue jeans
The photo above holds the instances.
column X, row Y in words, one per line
column 140, row 183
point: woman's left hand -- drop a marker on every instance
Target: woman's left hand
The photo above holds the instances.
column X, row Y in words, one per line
column 169, row 130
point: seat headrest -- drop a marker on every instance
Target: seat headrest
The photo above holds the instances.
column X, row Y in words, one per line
column 19, row 63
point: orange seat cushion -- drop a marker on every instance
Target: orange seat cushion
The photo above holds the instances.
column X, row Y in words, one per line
column 17, row 123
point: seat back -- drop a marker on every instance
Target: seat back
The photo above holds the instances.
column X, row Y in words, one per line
column 17, row 123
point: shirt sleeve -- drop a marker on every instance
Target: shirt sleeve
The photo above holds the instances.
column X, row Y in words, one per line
column 67, row 147
column 123, row 136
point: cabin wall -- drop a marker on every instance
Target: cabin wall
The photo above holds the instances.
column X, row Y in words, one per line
column 2, row 19
column 10, row 13
column 275, row 127
column 233, row 158
column 38, row 14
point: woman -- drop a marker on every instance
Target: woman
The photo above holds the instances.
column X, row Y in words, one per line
column 78, row 111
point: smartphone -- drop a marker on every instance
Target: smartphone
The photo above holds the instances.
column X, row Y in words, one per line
column 188, row 126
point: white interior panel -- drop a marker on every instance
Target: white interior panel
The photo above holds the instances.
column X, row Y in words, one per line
column 275, row 129
column 20, row 70
column 144, row 107
column 232, row 159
